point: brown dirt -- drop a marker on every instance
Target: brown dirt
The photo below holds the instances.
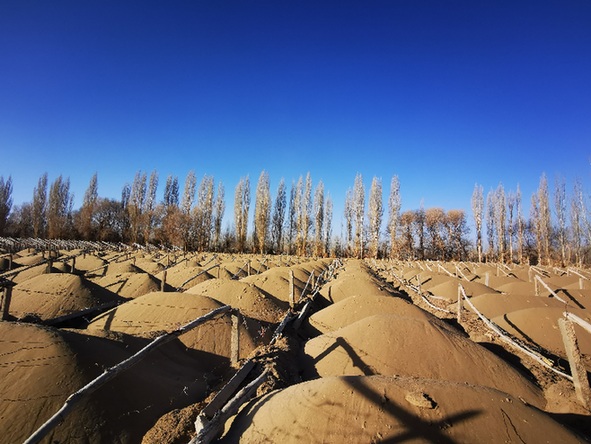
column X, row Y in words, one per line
column 177, row 276
column 493, row 305
column 150, row 315
column 370, row 332
column 129, row 284
column 395, row 345
column 275, row 281
column 392, row 409
column 251, row 301
column 355, row 308
column 48, row 296
column 540, row 326
column 44, row 366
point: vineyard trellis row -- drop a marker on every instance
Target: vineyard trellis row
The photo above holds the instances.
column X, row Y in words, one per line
column 296, row 311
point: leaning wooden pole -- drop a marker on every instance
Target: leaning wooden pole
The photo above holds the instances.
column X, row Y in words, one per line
column 577, row 368
column 111, row 372
column 213, row 429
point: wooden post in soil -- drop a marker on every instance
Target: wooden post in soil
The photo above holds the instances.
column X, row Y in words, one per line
column 73, row 266
column 577, row 369
column 486, row 278
column 6, row 301
column 49, row 265
column 163, row 281
column 459, row 303
column 291, row 290
column 235, row 341
column 10, row 262
column 248, row 267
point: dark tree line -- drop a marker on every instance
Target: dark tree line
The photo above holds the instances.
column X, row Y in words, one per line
column 300, row 221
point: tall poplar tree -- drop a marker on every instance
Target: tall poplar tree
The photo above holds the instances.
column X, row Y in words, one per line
column 375, row 212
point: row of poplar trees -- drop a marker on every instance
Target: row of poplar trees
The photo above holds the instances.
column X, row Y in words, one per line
column 300, row 221
column 557, row 230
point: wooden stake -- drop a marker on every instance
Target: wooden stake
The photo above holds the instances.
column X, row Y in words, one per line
column 552, row 292
column 577, row 369
column 235, row 341
column 459, row 303
column 163, row 281
column 291, row 290
column 6, row 301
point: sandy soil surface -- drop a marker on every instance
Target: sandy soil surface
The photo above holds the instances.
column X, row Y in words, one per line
column 369, row 360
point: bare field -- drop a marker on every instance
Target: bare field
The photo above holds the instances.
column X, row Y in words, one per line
column 334, row 350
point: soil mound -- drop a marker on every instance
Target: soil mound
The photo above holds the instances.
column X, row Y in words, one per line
column 151, row 315
column 540, row 326
column 234, row 269
column 89, row 262
column 250, row 300
column 49, row 296
column 569, row 282
column 121, row 267
column 355, row 308
column 395, row 345
column 149, row 265
column 493, row 305
column 41, row 367
column 449, row 288
column 521, row 287
column 276, row 282
column 578, row 298
column 496, row 281
column 391, row 409
column 29, row 273
column 183, row 276
column 429, row 279
column 355, row 280
column 318, row 266
column 31, row 259
column 129, row 285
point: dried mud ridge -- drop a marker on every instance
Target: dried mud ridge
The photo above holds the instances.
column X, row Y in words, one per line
column 300, row 350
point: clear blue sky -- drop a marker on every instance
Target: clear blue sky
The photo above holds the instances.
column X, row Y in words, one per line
column 443, row 94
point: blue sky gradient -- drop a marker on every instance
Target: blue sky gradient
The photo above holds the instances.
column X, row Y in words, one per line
column 444, row 94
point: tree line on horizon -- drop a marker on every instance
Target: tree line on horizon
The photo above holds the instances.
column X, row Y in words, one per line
column 301, row 221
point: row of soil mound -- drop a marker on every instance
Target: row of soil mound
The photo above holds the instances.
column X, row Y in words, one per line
column 512, row 297
column 377, row 368
column 525, row 302
column 41, row 365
